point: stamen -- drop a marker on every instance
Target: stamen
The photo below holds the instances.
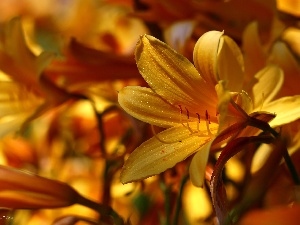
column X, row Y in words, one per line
column 187, row 122
column 187, row 125
column 207, row 123
column 198, row 121
column 207, row 116
column 180, row 114
column 187, row 113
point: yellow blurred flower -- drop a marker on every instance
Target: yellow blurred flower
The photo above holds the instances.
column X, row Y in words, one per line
column 27, row 93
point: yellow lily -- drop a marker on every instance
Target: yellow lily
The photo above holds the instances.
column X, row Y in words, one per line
column 190, row 105
column 179, row 99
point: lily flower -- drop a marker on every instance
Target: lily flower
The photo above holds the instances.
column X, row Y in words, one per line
column 20, row 190
column 26, row 73
column 191, row 106
column 178, row 99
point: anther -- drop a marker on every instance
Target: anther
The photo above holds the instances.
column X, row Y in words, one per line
column 187, row 113
column 180, row 109
column 207, row 123
column 198, row 115
column 207, row 116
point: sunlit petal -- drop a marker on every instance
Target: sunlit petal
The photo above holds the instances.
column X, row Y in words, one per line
column 172, row 76
column 218, row 57
column 205, row 55
column 145, row 105
column 155, row 156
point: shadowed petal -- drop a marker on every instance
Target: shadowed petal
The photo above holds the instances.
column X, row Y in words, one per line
column 283, row 57
column 270, row 80
column 230, row 64
column 154, row 156
column 255, row 58
column 21, row 190
column 198, row 165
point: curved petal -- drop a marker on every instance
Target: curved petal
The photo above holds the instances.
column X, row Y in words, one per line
column 218, row 57
column 173, row 77
column 143, row 104
column 205, row 55
column 160, row 153
column 198, row 165
column 287, row 109
column 230, row 64
column 269, row 82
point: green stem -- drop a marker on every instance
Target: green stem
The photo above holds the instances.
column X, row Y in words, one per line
column 179, row 199
column 106, row 212
column 167, row 192
column 291, row 167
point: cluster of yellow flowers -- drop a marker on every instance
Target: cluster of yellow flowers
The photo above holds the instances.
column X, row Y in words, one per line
column 166, row 112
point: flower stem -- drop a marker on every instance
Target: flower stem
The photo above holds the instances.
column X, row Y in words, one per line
column 291, row 167
column 167, row 192
column 266, row 127
column 179, row 199
column 106, row 212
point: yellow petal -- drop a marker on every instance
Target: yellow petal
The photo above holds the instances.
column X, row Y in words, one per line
column 287, row 109
column 198, row 165
column 289, row 7
column 155, row 156
column 205, row 55
column 230, row 64
column 218, row 57
column 282, row 56
column 173, row 77
column 269, row 82
column 143, row 104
